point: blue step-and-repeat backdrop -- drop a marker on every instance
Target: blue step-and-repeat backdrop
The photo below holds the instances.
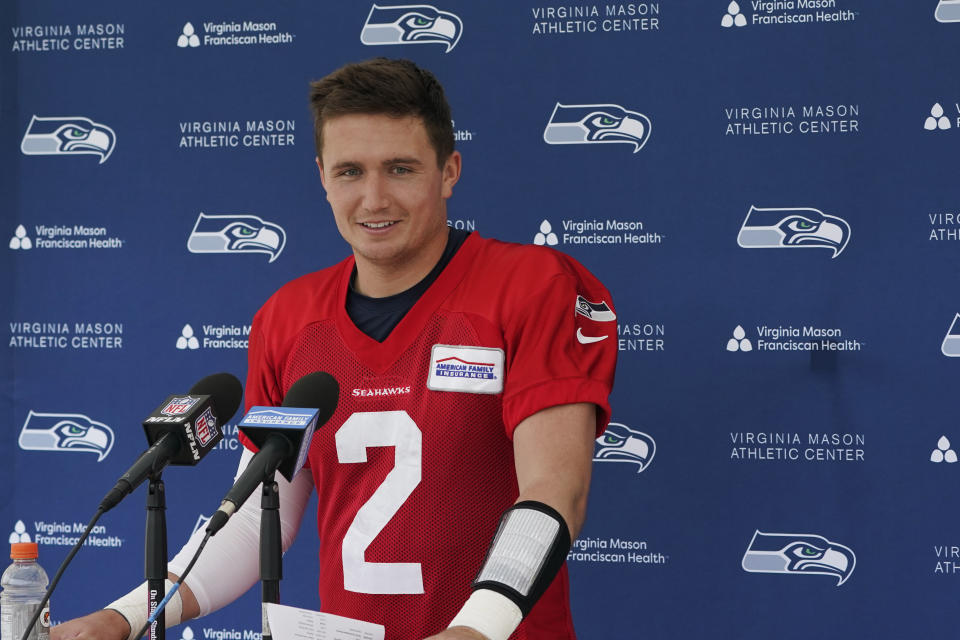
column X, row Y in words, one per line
column 769, row 189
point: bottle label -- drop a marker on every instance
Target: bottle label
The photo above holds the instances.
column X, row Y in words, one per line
column 14, row 619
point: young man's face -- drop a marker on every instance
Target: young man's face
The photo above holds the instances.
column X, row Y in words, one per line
column 387, row 193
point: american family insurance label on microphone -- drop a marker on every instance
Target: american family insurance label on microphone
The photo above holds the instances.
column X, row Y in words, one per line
column 277, row 417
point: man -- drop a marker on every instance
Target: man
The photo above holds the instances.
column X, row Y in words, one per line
column 474, row 377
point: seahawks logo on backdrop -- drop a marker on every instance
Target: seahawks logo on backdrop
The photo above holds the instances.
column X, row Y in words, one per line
column 948, row 11
column 800, row 228
column 67, row 136
column 411, row 24
column 798, row 554
column 620, row 443
column 596, row 124
column 596, row 311
column 200, row 524
column 951, row 341
column 66, row 432
column 236, row 234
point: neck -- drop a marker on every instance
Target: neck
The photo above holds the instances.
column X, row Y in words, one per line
column 381, row 279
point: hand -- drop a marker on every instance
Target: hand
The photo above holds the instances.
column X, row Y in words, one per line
column 456, row 633
column 105, row 624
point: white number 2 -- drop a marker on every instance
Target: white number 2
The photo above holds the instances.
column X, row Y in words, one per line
column 380, row 429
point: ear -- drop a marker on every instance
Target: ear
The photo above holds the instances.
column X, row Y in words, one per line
column 323, row 177
column 451, row 174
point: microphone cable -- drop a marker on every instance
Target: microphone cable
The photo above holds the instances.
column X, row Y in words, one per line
column 59, row 574
column 163, row 603
column 225, row 392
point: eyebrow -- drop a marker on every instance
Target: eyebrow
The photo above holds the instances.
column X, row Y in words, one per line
column 401, row 160
column 386, row 163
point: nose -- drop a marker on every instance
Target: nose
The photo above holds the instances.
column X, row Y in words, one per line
column 375, row 193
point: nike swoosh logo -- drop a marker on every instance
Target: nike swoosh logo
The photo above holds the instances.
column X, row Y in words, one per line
column 582, row 339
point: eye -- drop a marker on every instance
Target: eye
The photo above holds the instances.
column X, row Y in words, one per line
column 74, row 430
column 609, row 438
column 419, row 21
column 401, row 170
column 807, row 551
column 799, row 224
column 240, row 230
column 603, row 121
column 350, row 173
column 76, row 133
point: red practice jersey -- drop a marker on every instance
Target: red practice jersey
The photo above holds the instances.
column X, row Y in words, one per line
column 416, row 465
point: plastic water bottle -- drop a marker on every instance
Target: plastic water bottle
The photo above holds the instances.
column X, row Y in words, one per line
column 24, row 584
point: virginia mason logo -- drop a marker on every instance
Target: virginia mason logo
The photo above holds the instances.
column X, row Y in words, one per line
column 236, row 234
column 609, row 19
column 62, row 533
column 545, row 236
column 19, row 533
column 61, row 236
column 936, row 119
column 20, row 239
column 233, row 33
column 739, row 341
column 66, row 432
column 733, row 17
column 71, row 135
column 788, row 119
column 793, row 228
column 91, row 37
column 798, row 554
column 597, row 124
column 789, row 12
column 187, row 339
column 596, row 232
column 411, row 24
column 189, row 37
column 943, row 452
column 214, row 336
column 790, row 338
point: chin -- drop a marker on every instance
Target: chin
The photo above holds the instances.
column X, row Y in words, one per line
column 381, row 253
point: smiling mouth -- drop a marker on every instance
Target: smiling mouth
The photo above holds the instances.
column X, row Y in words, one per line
column 378, row 225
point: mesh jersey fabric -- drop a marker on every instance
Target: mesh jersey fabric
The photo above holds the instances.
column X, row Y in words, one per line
column 411, row 480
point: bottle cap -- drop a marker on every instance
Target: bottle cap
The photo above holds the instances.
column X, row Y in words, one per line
column 24, row 550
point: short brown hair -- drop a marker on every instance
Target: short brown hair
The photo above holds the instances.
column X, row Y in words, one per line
column 397, row 88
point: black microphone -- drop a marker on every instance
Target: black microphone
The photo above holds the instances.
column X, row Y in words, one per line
column 282, row 437
column 181, row 431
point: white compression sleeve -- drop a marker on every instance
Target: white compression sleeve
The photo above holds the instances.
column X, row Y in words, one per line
column 133, row 607
column 230, row 563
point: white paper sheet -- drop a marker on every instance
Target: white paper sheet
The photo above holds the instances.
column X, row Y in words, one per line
column 291, row 623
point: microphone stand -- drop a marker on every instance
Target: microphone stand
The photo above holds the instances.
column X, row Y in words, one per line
column 271, row 547
column 155, row 553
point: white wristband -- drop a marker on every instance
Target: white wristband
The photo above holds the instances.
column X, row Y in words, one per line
column 494, row 615
column 133, row 607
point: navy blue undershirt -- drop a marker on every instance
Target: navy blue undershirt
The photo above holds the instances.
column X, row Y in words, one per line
column 377, row 317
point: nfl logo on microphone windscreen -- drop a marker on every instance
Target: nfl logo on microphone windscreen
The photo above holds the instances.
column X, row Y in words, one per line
column 179, row 406
column 206, row 427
